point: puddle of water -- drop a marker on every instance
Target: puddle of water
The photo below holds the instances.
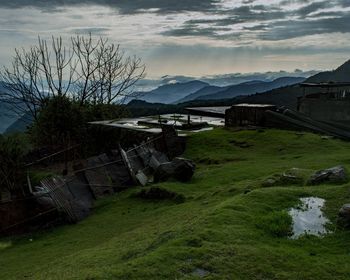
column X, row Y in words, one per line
column 309, row 218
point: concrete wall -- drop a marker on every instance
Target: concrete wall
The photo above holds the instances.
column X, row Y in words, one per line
column 326, row 109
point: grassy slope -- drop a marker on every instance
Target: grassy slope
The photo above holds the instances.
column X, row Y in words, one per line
column 218, row 228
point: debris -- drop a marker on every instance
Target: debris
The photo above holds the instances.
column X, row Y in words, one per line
column 179, row 168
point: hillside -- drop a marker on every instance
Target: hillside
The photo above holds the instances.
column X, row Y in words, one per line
column 202, row 92
column 7, row 117
column 20, row 125
column 229, row 227
column 171, row 93
column 252, row 87
column 341, row 74
column 288, row 96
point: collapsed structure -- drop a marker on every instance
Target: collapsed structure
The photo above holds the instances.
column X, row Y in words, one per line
column 70, row 198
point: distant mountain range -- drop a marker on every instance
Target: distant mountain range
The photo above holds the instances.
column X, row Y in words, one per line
column 288, row 96
column 206, row 91
column 245, row 89
column 221, row 80
column 171, row 93
column 198, row 90
column 7, row 116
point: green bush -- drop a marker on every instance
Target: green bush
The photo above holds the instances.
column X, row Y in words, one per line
column 12, row 168
column 63, row 122
column 60, row 122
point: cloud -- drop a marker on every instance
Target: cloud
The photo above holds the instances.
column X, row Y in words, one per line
column 208, row 36
column 271, row 21
column 124, row 6
column 90, row 30
column 298, row 28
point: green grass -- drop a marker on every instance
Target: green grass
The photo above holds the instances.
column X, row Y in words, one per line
column 229, row 225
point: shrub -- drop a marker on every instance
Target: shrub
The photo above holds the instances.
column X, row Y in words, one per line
column 59, row 123
column 63, row 122
column 12, row 168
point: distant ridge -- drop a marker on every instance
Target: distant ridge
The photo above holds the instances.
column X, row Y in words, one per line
column 202, row 92
column 171, row 93
column 252, row 87
column 288, row 96
column 341, row 74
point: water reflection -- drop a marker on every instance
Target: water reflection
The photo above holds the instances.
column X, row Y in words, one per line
column 308, row 218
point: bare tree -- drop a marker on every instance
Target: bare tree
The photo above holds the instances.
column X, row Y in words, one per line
column 89, row 71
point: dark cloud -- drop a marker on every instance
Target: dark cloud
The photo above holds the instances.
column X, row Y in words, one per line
column 195, row 31
column 272, row 22
column 265, row 21
column 297, row 28
column 124, row 6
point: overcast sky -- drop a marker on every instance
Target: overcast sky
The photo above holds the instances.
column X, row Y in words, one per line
column 193, row 37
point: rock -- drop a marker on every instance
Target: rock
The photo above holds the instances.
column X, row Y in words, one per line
column 344, row 216
column 269, row 182
column 290, row 177
column 179, row 168
column 335, row 174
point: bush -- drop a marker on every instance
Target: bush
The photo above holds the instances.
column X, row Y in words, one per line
column 100, row 112
column 59, row 123
column 62, row 122
column 12, row 168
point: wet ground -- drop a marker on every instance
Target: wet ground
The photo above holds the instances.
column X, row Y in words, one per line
column 308, row 218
